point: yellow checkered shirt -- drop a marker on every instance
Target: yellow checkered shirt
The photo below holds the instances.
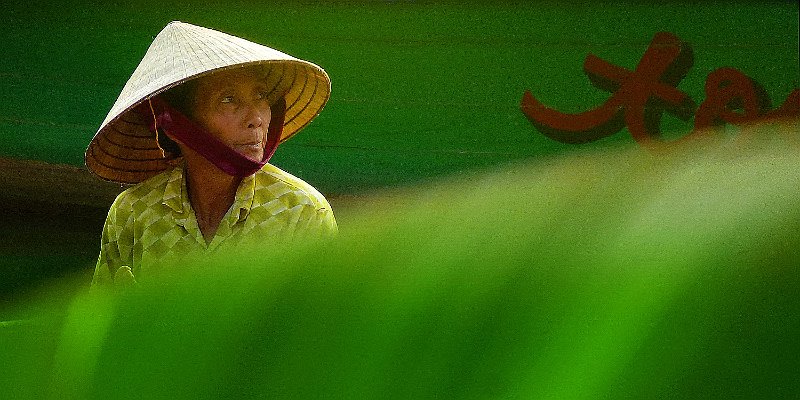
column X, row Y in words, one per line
column 154, row 220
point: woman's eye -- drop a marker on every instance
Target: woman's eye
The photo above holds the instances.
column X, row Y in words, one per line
column 227, row 99
column 262, row 95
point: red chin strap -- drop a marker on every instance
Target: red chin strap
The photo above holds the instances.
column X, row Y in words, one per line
column 192, row 135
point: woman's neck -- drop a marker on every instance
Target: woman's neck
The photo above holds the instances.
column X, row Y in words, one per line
column 211, row 194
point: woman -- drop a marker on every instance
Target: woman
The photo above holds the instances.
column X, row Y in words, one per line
column 194, row 128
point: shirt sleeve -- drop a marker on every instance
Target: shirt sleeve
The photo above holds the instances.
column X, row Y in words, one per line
column 328, row 226
column 115, row 244
column 312, row 222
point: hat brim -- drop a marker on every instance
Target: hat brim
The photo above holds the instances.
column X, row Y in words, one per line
column 124, row 149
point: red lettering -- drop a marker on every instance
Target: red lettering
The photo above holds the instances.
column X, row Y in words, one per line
column 727, row 91
column 640, row 97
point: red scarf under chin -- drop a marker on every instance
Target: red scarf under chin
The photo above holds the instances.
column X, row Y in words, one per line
column 192, row 135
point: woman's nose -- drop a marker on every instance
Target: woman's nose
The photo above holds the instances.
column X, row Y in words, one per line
column 257, row 116
column 255, row 121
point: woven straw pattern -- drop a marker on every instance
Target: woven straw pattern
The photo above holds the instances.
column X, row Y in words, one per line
column 124, row 150
column 153, row 222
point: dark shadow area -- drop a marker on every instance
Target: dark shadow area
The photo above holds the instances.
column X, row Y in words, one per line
column 43, row 242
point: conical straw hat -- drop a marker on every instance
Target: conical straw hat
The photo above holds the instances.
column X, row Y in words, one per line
column 125, row 150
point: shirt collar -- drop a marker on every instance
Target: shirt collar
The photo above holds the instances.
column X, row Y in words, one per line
column 176, row 196
column 245, row 194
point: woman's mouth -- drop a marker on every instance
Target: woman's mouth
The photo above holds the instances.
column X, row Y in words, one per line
column 256, row 144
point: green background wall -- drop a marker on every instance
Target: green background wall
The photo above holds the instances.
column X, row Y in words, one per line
column 420, row 89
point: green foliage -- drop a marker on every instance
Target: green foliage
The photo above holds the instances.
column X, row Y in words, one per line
column 599, row 275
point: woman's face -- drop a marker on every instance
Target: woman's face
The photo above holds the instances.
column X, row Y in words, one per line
column 232, row 105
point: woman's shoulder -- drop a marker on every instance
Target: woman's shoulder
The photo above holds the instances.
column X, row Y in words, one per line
column 142, row 191
column 272, row 176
